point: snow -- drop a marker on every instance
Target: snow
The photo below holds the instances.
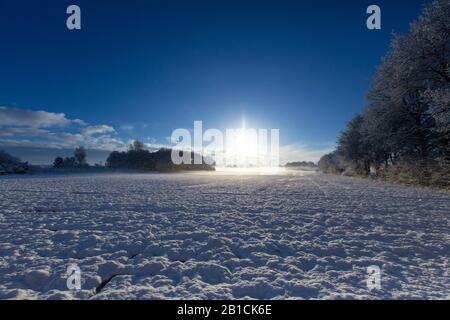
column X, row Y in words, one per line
column 294, row 235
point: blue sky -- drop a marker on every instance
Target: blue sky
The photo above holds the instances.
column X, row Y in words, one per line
column 140, row 69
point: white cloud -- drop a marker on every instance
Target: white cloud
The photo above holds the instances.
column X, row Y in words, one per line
column 21, row 131
column 37, row 119
column 105, row 142
column 156, row 146
column 102, row 128
column 39, row 133
column 28, row 128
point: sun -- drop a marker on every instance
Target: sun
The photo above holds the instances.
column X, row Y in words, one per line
column 242, row 148
column 247, row 145
column 247, row 150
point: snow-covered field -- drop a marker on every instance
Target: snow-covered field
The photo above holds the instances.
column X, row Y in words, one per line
column 211, row 236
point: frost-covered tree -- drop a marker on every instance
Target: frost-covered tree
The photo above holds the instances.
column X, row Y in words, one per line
column 407, row 120
column 438, row 101
column 409, row 95
column 352, row 147
column 330, row 163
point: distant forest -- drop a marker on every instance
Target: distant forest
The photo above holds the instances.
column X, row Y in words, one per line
column 403, row 133
column 301, row 164
column 137, row 158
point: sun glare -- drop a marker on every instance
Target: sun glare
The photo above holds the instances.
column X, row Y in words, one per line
column 247, row 152
column 242, row 148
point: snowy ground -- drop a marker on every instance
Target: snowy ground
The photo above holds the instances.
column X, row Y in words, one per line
column 210, row 236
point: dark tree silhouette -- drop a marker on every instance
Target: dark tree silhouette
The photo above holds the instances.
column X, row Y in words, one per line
column 58, row 162
column 80, row 156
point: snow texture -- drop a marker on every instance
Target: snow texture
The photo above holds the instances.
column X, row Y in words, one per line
column 210, row 236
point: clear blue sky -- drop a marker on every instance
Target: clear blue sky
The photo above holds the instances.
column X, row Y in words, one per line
column 148, row 67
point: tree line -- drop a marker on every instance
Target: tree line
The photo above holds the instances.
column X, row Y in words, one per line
column 138, row 158
column 404, row 131
column 10, row 164
column 77, row 161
